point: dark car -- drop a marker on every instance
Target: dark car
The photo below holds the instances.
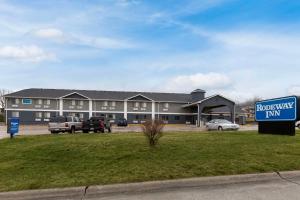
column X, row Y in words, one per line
column 93, row 124
column 122, row 122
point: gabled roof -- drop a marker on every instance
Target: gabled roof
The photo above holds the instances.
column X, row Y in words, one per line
column 101, row 95
column 207, row 98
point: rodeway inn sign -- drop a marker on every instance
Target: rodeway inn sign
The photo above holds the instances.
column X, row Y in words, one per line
column 283, row 109
column 277, row 116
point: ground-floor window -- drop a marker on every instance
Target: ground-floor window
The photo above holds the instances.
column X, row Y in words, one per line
column 165, row 117
column 47, row 115
column 38, row 114
column 177, row 118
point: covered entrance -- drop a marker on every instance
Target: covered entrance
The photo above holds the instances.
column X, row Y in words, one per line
column 205, row 107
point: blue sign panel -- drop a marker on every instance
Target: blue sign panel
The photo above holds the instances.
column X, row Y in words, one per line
column 26, row 101
column 283, row 109
column 13, row 126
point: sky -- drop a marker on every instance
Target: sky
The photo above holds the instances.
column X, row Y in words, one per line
column 239, row 49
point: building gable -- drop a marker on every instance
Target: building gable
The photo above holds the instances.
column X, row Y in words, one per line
column 75, row 95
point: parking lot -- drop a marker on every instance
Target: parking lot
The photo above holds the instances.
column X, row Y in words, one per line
column 43, row 129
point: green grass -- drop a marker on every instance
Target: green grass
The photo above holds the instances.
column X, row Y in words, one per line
column 34, row 162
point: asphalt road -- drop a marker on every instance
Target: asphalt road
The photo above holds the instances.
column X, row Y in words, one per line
column 269, row 186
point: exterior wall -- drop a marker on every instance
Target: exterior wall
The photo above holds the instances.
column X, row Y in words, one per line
column 29, row 117
column 67, row 105
column 54, row 104
column 85, row 115
column 99, row 106
column 173, row 108
column 132, row 108
column 138, row 118
column 176, row 119
column 113, row 117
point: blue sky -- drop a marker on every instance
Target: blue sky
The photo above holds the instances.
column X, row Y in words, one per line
column 241, row 49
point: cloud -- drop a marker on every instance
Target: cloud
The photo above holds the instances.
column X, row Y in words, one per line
column 29, row 53
column 187, row 83
column 100, row 42
column 49, row 33
column 294, row 90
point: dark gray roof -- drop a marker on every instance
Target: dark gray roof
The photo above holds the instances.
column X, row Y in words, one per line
column 94, row 94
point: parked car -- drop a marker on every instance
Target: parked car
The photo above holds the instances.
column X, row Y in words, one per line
column 122, row 122
column 221, row 124
column 93, row 124
column 64, row 124
column 297, row 124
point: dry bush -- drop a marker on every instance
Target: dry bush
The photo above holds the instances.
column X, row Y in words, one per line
column 153, row 130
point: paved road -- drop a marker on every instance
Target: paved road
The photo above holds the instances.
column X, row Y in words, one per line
column 269, row 186
column 43, row 130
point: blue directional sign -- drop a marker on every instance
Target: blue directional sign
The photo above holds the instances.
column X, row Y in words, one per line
column 282, row 109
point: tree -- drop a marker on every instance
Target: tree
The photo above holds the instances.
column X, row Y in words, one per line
column 2, row 99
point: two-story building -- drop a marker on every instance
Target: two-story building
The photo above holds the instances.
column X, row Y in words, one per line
column 34, row 106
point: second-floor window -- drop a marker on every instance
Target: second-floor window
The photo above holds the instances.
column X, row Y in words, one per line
column 136, row 104
column 73, row 102
column 81, row 103
column 166, row 105
column 144, row 105
column 113, row 103
column 105, row 103
column 40, row 101
column 16, row 101
column 48, row 101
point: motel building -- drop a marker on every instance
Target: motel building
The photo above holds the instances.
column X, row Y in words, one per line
column 37, row 106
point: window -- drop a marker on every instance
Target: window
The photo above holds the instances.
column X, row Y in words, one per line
column 136, row 117
column 144, row 105
column 27, row 101
column 47, row 115
column 38, row 114
column 81, row 103
column 73, row 102
column 81, row 116
column 15, row 114
column 105, row 103
column 110, row 116
column 40, row 101
column 165, row 117
column 16, row 101
column 113, row 103
column 48, row 101
column 166, row 105
column 136, row 104
column 145, row 116
column 177, row 118
column 114, row 116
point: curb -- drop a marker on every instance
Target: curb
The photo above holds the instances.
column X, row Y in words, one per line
column 106, row 190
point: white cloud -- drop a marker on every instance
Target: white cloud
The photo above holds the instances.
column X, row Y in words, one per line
column 29, row 53
column 187, row 83
column 49, row 33
column 294, row 90
column 69, row 38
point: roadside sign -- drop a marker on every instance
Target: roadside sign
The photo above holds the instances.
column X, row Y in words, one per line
column 281, row 109
column 13, row 126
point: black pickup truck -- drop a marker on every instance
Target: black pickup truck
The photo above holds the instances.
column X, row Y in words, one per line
column 96, row 124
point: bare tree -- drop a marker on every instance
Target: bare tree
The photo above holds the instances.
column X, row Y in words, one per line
column 2, row 99
column 153, row 129
column 250, row 102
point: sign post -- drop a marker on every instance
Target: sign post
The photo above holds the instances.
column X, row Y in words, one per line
column 13, row 126
column 277, row 116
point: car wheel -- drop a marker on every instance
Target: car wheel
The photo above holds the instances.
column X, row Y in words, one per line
column 220, row 128
column 54, row 132
column 298, row 126
column 85, row 131
column 109, row 130
column 95, row 131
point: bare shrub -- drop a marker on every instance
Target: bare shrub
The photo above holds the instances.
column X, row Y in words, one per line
column 153, row 130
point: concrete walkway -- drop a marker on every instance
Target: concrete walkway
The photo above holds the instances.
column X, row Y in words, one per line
column 273, row 186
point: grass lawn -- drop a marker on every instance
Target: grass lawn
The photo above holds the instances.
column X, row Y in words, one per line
column 49, row 161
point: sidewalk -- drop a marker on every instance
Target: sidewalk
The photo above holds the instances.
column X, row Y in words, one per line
column 196, row 186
